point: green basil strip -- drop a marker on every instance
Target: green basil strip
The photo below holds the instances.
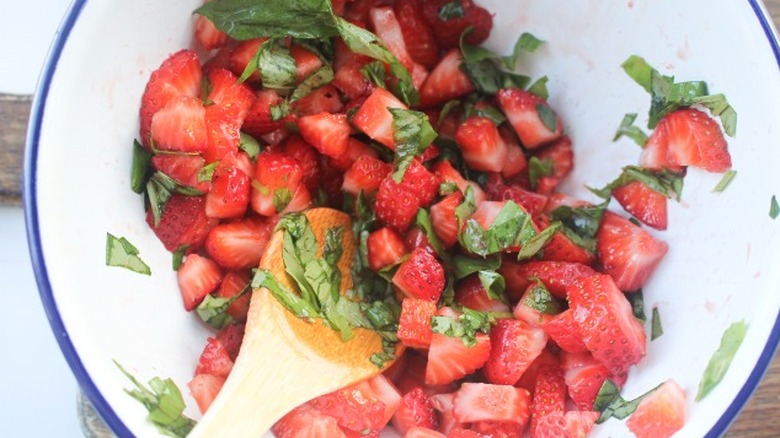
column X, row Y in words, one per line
column 121, row 253
column 656, row 329
column 721, row 360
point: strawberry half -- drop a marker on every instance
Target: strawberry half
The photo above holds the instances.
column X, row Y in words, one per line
column 446, row 81
column 277, row 179
column 230, row 189
column 584, row 376
column 385, row 248
column 514, row 344
column 198, row 276
column 529, row 115
column 420, row 276
column 486, row 402
column 238, row 245
column 180, row 126
column 565, row 332
column 694, row 139
column 644, row 203
column 449, row 359
column 481, row 145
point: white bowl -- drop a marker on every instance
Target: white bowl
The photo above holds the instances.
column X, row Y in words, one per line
column 722, row 266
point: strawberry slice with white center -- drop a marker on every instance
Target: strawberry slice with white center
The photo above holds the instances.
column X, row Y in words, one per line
column 606, row 322
column 443, row 219
column 388, row 30
column 305, row 421
column 207, row 34
column 655, row 155
column 385, row 248
column 695, row 139
column 644, row 203
column 627, row 252
column 584, row 376
column 423, row 432
column 470, row 293
column 198, row 276
column 415, row 410
column 533, row 120
column 661, row 414
column 375, row 120
column 306, row 62
column 565, row 332
column 238, row 245
column 179, row 75
column 386, row 392
column 204, row 389
column 355, row 407
column 329, row 133
column 184, row 169
column 514, row 344
column 446, row 81
column 487, row 402
column 449, row 359
column 481, row 145
column 180, row 126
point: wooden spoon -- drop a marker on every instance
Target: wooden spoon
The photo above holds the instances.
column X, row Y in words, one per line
column 285, row 361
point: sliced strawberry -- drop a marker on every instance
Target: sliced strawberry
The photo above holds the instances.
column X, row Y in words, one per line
column 532, row 202
column 423, row 432
column 525, row 113
column 660, row 414
column 555, row 276
column 561, row 248
column 300, row 201
column 584, row 376
column 481, row 145
column 420, row 276
column 565, row 332
column 606, row 322
column 516, row 162
column 329, row 133
column 222, row 132
column 277, row 178
column 416, row 238
column 498, row 429
column 243, row 54
column 545, row 359
column 183, row 223
column 179, row 75
column 446, row 81
column 449, row 359
column 460, row 432
column 259, row 120
column 628, row 253
column 180, row 126
column 231, row 338
column 396, row 205
column 414, row 324
column 374, row 119
column 365, row 175
column 694, row 139
column 561, row 156
column 184, row 169
column 386, row 392
column 305, row 421
column 415, row 410
column 549, row 396
column 324, row 99
column 644, row 203
column 308, row 158
column 385, row 248
column 443, row 219
column 198, row 276
column 448, row 29
column 207, row 34
column 204, row 389
column 486, row 402
column 238, row 245
column 355, row 150
column 214, row 359
column 351, row 82
column 443, row 404
column 234, row 283
column 448, row 174
column 230, row 189
column 306, row 62
column 388, row 30
column 470, row 293
column 418, row 35
column 514, row 344
column 228, row 92
column 572, row 424
column 355, row 407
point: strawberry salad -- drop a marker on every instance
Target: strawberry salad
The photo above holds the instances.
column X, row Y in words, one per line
column 505, row 307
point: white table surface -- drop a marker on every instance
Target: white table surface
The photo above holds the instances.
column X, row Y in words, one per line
column 37, row 389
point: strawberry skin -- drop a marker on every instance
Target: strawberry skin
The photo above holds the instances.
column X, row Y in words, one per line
column 606, row 322
column 374, row 119
column 198, row 276
column 572, row 424
column 487, row 402
column 180, row 126
column 421, row 182
column 328, row 133
column 305, row 421
column 414, row 324
column 628, row 253
column 449, row 359
column 522, row 111
column 420, row 276
column 233, row 283
column 417, row 34
column 230, row 189
column 204, row 389
column 446, row 81
column 565, row 332
column 415, row 410
column 396, row 206
column 470, row 293
column 661, row 414
column 365, row 175
column 388, row 30
column 276, row 175
column 449, row 30
column 355, row 407
column 549, row 396
column 385, row 248
column 584, row 376
column 481, row 145
column 214, row 359
column 695, row 139
column 556, row 276
column 183, row 169
column 514, row 344
column 644, row 203
column 258, row 121
column 183, row 223
column 443, row 219
column 238, row 245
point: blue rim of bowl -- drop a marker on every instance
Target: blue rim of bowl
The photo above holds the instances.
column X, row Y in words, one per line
column 47, row 297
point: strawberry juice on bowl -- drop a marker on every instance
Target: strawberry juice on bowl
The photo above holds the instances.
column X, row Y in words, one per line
column 138, row 320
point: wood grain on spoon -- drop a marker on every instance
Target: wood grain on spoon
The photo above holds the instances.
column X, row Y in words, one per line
column 285, row 361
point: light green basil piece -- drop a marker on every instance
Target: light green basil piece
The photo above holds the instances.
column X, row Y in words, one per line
column 774, row 208
column 725, row 181
column 656, row 329
column 628, row 129
column 213, row 311
column 121, row 253
column 412, row 134
column 721, row 360
column 611, row 404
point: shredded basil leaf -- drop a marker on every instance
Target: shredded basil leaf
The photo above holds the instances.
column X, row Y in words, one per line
column 656, row 329
column 465, row 327
column 511, row 227
column 282, row 198
column 538, row 168
column 121, row 253
column 490, row 112
column 665, row 182
column 463, row 266
column 536, row 243
column 539, row 88
column 213, row 311
column 547, row 116
column 453, row 9
column 580, row 224
column 527, row 42
column 637, row 300
column 541, row 300
column 494, row 285
column 721, row 360
column 774, row 208
column 142, row 167
column 423, row 222
column 412, row 134
column 276, row 65
column 611, row 404
column 291, row 301
column 374, row 71
column 249, row 145
column 315, row 80
column 725, row 181
column 178, row 257
column 628, row 129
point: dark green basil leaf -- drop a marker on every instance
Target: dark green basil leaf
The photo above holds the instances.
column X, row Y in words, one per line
column 374, row 71
column 465, row 327
column 412, row 134
column 464, row 266
column 206, row 173
column 611, row 404
column 178, row 257
column 318, row 78
column 547, row 116
column 282, row 198
column 527, row 42
column 541, row 300
column 656, row 329
column 628, row 129
column 536, row 243
column 511, row 227
column 423, row 222
column 494, row 285
column 290, row 300
column 665, row 182
column 637, row 300
column 121, row 253
column 142, row 167
column 721, row 360
column 539, row 88
column 277, row 66
column 538, row 168
column 249, row 145
column 490, row 112
column 213, row 311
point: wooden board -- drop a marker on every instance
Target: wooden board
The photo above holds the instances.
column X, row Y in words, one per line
column 757, row 420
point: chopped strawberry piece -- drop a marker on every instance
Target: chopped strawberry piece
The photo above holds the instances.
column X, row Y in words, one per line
column 449, row 359
column 627, row 252
column 561, row 156
column 198, row 276
column 277, row 178
column 694, row 139
column 396, row 205
column 661, row 414
column 231, row 338
column 183, row 169
column 443, row 404
column 350, row 81
column 414, row 324
column 606, row 322
column 448, row 29
column 329, row 133
column 549, row 396
column 214, row 359
column 183, row 223
column 532, row 202
column 179, row 75
column 531, row 375
column 301, row 200
column 420, row 276
column 423, row 432
column 555, row 276
column 584, row 376
column 460, row 432
column 565, row 332
column 385, row 248
column 366, row 174
column 355, row 407
column 306, row 62
column 308, row 158
column 305, row 421
column 221, row 59
column 572, row 424
column 230, row 189
column 207, row 34
column 527, row 308
column 443, row 219
column 324, row 99
column 259, row 120
column 470, row 293
column 375, row 120
column 388, row 30
column 446, row 81
column 234, row 283
column 644, row 203
column 487, row 402
column 180, row 126
column 498, row 429
column 418, row 35
column 416, row 238
column 421, row 182
column 238, row 245
column 204, row 389
column 415, row 410
column 561, row 248
column 355, row 150
column 448, row 174
column 481, row 145
column 229, row 93
column 527, row 113
column 386, row 392
column 243, row 54
column 222, row 132
column 514, row 344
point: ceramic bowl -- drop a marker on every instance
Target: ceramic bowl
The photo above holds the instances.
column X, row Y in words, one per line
column 722, row 266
